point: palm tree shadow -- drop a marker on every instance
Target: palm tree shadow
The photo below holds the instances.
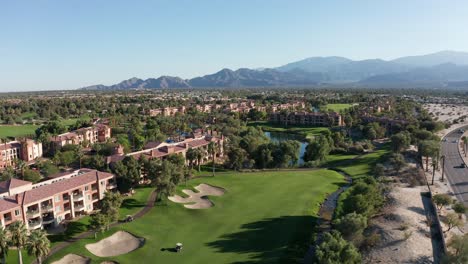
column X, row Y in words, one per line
column 284, row 239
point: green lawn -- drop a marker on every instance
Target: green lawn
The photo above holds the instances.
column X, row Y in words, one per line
column 306, row 132
column 17, row 130
column 338, row 107
column 264, row 217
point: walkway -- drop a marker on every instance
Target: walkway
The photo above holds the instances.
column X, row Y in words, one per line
column 149, row 205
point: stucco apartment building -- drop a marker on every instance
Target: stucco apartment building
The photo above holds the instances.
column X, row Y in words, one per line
column 24, row 149
column 166, row 111
column 91, row 135
column 47, row 204
column 307, row 119
column 161, row 150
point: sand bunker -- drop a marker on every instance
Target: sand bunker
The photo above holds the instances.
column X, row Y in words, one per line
column 119, row 243
column 198, row 200
column 72, row 259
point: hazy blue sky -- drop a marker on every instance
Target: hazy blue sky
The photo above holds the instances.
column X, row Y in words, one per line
column 66, row 44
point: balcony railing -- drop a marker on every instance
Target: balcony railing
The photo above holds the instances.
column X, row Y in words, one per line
column 48, row 207
column 32, row 212
column 7, row 219
column 79, row 207
column 66, row 198
column 111, row 185
column 77, row 196
column 34, row 224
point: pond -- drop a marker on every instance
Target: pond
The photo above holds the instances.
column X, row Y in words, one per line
column 283, row 136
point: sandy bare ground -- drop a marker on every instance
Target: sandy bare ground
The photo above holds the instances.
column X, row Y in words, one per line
column 447, row 112
column 118, row 244
column 405, row 235
column 198, row 200
column 72, row 259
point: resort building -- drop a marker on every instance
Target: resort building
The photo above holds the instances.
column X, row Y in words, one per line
column 161, row 150
column 307, row 119
column 83, row 136
column 48, row 203
column 25, row 149
column 166, row 111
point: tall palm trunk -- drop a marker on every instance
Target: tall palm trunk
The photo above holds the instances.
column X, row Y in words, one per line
column 214, row 154
column 20, row 256
column 427, row 163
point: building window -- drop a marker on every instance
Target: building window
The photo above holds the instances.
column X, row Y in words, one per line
column 86, row 188
column 17, row 212
column 57, row 198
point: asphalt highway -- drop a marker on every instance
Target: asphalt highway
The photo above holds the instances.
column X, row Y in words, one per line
column 454, row 172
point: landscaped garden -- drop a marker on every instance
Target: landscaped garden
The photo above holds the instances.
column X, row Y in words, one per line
column 263, row 217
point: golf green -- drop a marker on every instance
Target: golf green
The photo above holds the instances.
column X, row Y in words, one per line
column 264, row 217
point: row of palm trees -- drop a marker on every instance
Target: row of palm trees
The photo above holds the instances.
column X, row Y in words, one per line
column 16, row 235
column 197, row 154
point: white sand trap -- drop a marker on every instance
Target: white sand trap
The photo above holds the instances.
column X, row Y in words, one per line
column 72, row 259
column 118, row 244
column 198, row 200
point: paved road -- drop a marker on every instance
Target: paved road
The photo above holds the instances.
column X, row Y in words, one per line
column 457, row 176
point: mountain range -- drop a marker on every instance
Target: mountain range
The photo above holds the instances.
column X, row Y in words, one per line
column 441, row 69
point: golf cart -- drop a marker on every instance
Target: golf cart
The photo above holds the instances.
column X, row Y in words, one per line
column 178, row 247
column 128, row 218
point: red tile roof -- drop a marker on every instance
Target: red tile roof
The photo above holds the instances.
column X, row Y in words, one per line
column 5, row 186
column 8, row 204
column 49, row 190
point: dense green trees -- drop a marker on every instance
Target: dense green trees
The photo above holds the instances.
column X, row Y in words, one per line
column 335, row 250
column 364, row 197
column 128, row 172
column 400, row 141
column 110, row 205
column 351, row 226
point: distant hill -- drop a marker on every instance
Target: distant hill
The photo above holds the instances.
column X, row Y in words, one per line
column 437, row 69
column 429, row 60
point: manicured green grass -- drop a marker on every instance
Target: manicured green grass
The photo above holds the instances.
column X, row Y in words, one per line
column 361, row 167
column 306, row 132
column 265, row 217
column 338, row 107
column 17, row 130
column 28, row 115
column 364, row 165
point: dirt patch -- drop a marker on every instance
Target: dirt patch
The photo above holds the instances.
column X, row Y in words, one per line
column 118, row 244
column 198, row 200
column 404, row 231
column 72, row 259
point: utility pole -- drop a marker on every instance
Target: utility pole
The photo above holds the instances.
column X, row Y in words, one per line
column 443, row 167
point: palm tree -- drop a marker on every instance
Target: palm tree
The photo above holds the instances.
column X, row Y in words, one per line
column 199, row 158
column 212, row 151
column 21, row 165
column 18, row 236
column 38, row 245
column 3, row 244
column 191, row 155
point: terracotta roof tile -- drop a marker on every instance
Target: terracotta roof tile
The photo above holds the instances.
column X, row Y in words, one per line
column 49, row 190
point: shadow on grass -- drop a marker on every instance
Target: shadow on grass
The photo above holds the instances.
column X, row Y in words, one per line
column 283, row 239
column 73, row 229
